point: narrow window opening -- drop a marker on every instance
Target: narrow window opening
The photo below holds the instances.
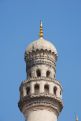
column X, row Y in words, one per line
column 55, row 90
column 46, row 88
column 48, row 74
column 36, row 89
column 38, row 73
column 28, row 90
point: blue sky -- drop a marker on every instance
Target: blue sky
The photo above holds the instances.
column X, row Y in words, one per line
column 19, row 25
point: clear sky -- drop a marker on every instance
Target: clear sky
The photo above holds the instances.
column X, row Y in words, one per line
column 19, row 25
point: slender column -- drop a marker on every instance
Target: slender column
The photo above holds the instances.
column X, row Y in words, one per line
column 41, row 87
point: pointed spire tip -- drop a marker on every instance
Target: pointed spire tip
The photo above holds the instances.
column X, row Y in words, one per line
column 76, row 118
column 41, row 30
column 40, row 23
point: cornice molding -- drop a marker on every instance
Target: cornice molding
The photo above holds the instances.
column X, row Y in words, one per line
column 30, row 101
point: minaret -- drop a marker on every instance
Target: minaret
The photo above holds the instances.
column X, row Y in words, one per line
column 41, row 93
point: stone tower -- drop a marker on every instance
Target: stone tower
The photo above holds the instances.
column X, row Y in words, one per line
column 41, row 93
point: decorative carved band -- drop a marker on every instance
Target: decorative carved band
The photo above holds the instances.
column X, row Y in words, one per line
column 40, row 53
column 41, row 61
column 36, row 107
column 41, row 58
column 29, row 102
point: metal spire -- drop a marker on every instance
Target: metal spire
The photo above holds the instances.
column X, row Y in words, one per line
column 41, row 30
column 76, row 118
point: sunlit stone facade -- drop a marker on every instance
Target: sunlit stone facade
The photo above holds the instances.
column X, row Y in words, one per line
column 41, row 93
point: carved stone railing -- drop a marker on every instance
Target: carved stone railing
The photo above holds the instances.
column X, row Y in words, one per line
column 42, row 78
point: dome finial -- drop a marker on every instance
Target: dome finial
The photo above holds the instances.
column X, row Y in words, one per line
column 41, row 30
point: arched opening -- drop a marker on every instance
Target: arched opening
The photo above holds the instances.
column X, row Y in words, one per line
column 36, row 88
column 48, row 74
column 55, row 90
column 38, row 73
column 28, row 90
column 46, row 88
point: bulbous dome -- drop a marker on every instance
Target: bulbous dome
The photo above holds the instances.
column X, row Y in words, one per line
column 39, row 44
